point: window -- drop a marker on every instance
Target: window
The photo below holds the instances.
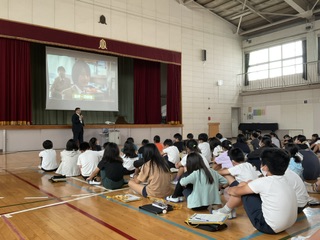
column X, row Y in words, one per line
column 281, row 60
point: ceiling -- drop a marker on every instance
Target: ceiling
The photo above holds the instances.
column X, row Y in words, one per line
column 256, row 17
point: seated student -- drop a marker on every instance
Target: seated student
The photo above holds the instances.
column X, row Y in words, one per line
column 241, row 143
column 94, row 144
column 240, row 172
column 189, row 137
column 48, row 157
column 296, row 158
column 254, row 156
column 192, row 146
column 170, row 153
column 128, row 158
column 178, row 142
column 220, row 137
column 87, row 160
column 131, row 140
column 156, row 141
column 140, row 150
column 223, row 160
column 315, row 143
column 275, row 140
column 255, row 140
column 204, row 146
column 101, row 152
column 110, row 168
column 69, row 157
column 300, row 189
column 155, row 171
column 310, row 164
column 201, row 184
column 215, row 147
column 286, row 139
column 302, row 142
column 269, row 202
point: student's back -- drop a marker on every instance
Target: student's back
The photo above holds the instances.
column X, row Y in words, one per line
column 310, row 164
column 88, row 161
column 297, row 184
column 48, row 157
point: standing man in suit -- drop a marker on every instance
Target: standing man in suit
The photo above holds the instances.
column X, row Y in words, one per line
column 77, row 126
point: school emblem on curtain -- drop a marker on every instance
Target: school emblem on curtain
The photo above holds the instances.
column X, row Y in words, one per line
column 103, row 44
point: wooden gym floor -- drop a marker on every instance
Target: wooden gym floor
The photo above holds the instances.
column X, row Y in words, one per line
column 32, row 207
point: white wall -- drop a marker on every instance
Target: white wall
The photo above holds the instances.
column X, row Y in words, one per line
column 288, row 108
column 163, row 24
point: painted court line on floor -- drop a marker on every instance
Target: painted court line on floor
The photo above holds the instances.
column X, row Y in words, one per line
column 8, row 215
column 35, row 197
column 13, row 228
column 118, row 231
column 188, row 229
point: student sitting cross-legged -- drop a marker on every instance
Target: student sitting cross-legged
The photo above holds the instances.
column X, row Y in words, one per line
column 87, row 160
column 269, row 201
column 240, row 172
column 48, row 157
column 155, row 171
column 110, row 168
column 201, row 186
column 69, row 157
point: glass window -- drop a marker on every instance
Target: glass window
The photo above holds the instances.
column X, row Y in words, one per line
column 276, row 61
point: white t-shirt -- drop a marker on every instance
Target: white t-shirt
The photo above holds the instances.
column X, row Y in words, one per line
column 297, row 184
column 244, row 172
column 128, row 162
column 49, row 159
column 184, row 161
column 279, row 202
column 88, row 161
column 205, row 150
column 68, row 165
column 217, row 151
column 172, row 153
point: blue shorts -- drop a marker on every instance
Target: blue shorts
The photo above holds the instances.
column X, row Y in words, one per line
column 144, row 192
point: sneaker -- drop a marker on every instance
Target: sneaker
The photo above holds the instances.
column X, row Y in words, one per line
column 172, row 199
column 131, row 175
column 174, row 182
column 181, row 199
column 93, row 182
column 230, row 215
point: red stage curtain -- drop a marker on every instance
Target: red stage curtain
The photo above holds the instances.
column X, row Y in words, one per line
column 15, row 82
column 147, row 102
column 174, row 94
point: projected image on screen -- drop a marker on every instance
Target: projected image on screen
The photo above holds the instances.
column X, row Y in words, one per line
column 79, row 79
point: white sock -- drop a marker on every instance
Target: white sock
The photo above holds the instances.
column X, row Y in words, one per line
column 225, row 209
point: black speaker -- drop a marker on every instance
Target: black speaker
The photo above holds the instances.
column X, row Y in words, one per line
column 204, row 55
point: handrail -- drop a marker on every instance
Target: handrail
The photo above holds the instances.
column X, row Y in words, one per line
column 310, row 76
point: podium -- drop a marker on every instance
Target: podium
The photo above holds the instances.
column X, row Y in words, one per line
column 110, row 135
column 114, row 136
column 213, row 128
